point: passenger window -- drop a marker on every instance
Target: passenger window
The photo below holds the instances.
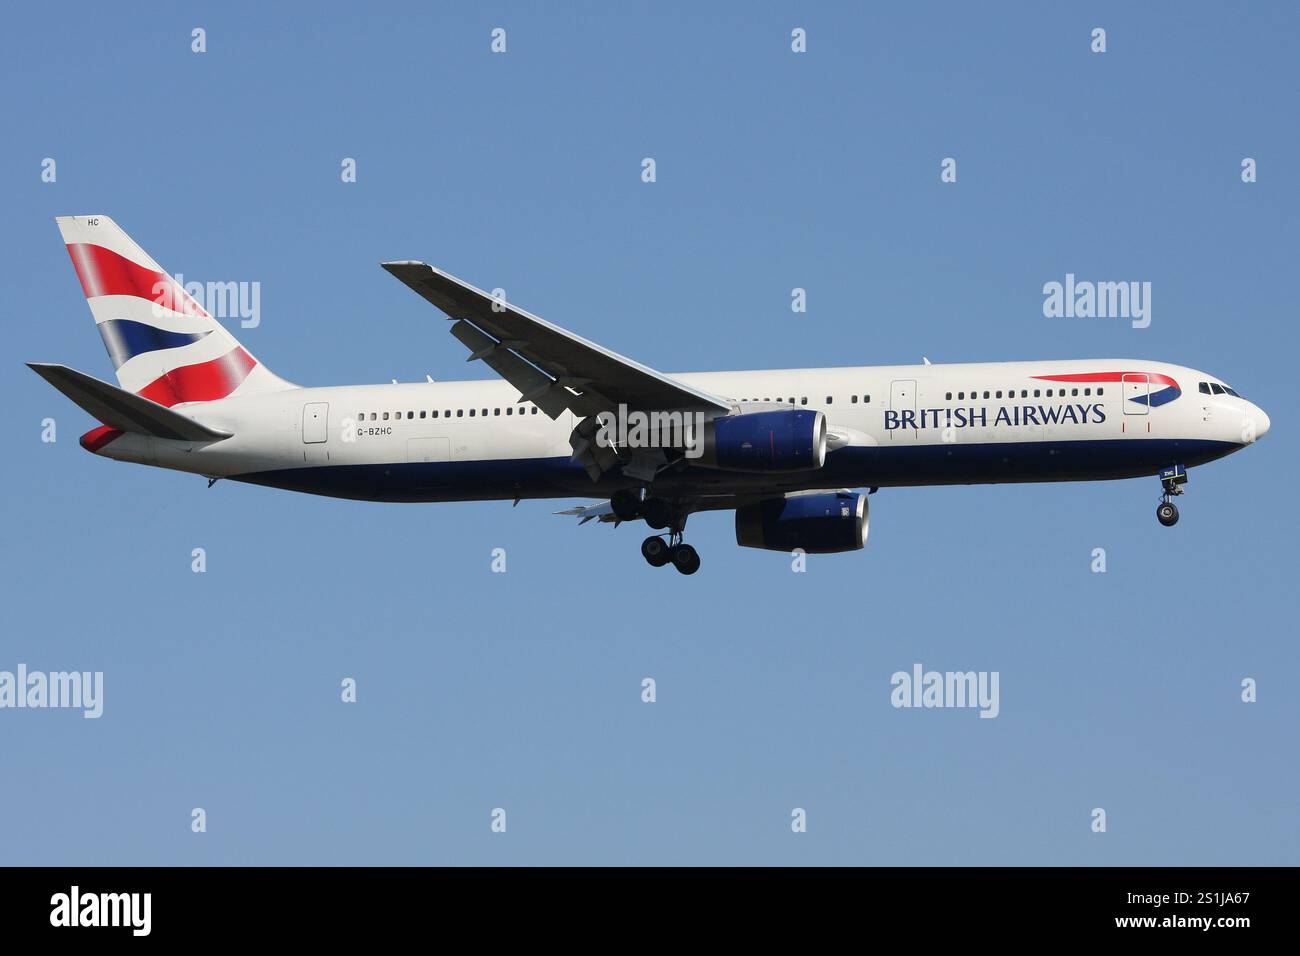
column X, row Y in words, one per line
column 460, row 413
column 485, row 413
column 1073, row 392
column 434, row 414
column 1099, row 391
column 853, row 399
column 947, row 397
column 829, row 400
column 804, row 400
column 496, row 411
column 1087, row 391
column 510, row 410
column 986, row 394
column 423, row 413
column 866, row 399
column 534, row 409
column 1036, row 393
column 961, row 396
column 999, row 395
column 471, row 413
column 385, row 416
column 410, row 415
column 1024, row 393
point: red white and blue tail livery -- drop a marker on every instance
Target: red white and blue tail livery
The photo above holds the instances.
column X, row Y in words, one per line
column 162, row 343
column 565, row 417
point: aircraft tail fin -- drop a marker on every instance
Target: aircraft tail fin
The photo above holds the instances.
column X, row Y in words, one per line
column 164, row 345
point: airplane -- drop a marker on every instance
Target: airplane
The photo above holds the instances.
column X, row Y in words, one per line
column 566, row 418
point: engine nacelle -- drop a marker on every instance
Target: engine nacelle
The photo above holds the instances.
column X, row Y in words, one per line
column 821, row 522
column 791, row 439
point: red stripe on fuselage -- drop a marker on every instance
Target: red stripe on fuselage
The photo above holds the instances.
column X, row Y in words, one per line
column 104, row 272
column 1108, row 377
column 205, row 382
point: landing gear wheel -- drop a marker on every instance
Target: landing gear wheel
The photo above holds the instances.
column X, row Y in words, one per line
column 656, row 551
column 658, row 513
column 1167, row 514
column 686, row 559
column 626, row 505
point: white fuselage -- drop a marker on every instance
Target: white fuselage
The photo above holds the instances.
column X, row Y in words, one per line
column 899, row 425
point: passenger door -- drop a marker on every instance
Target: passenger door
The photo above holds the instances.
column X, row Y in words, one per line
column 315, row 422
column 1136, row 389
column 902, row 397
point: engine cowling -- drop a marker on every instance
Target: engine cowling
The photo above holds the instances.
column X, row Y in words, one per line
column 783, row 440
column 822, row 522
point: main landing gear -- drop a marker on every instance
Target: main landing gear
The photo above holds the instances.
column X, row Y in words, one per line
column 659, row 552
column 661, row 515
column 1172, row 480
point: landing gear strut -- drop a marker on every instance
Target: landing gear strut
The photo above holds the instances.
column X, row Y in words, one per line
column 1172, row 480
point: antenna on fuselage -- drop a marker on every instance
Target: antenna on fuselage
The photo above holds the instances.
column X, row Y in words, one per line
column 925, row 360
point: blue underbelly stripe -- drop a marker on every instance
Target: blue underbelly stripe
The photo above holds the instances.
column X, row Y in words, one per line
column 897, row 465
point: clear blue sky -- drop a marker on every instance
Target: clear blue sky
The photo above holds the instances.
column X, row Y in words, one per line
column 775, row 170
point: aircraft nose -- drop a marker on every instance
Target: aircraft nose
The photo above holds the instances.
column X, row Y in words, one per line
column 1255, row 423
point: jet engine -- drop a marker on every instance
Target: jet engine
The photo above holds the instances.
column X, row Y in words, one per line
column 777, row 441
column 819, row 522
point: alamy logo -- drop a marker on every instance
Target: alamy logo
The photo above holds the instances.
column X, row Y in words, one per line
column 75, row 908
column 675, row 430
column 922, row 688
column 1098, row 300
column 81, row 690
column 221, row 300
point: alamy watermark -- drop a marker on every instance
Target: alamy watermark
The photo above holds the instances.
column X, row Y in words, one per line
column 676, row 429
column 76, row 690
column 1073, row 299
column 922, row 688
column 221, row 300
column 127, row 910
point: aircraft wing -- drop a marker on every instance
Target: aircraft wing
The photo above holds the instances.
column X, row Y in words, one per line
column 549, row 365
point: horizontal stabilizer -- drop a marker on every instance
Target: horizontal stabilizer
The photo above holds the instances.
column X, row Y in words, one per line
column 121, row 409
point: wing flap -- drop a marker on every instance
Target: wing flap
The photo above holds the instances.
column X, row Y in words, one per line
column 534, row 385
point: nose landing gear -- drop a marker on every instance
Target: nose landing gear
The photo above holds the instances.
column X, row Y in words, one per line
column 1172, row 480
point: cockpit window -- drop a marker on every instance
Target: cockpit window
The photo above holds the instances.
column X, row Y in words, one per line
column 1231, row 392
column 1218, row 389
column 1205, row 388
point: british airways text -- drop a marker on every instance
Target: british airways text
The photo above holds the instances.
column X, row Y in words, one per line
column 989, row 417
